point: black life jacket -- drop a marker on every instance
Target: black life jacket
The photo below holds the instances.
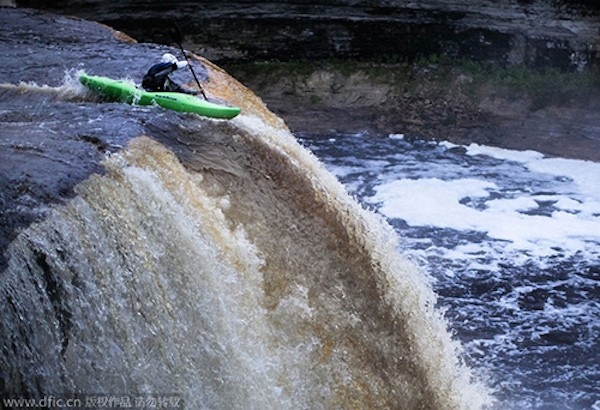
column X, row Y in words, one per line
column 157, row 75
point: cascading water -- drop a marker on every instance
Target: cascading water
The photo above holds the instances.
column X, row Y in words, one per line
column 213, row 261
column 511, row 239
column 147, row 280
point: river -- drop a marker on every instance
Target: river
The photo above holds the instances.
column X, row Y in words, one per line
column 151, row 256
column 148, row 254
column 511, row 238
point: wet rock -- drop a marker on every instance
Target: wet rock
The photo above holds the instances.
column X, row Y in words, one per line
column 54, row 135
column 561, row 33
column 435, row 103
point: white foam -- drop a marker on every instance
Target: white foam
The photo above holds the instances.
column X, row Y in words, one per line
column 502, row 153
column 570, row 226
column 396, row 136
column 432, row 202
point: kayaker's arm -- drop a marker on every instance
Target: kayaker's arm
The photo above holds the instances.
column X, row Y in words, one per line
column 164, row 69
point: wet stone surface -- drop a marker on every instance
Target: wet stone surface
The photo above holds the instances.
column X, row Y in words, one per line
column 54, row 133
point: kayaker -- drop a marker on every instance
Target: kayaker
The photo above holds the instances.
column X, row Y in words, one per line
column 157, row 77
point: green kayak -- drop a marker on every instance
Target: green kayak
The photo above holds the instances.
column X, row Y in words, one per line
column 120, row 90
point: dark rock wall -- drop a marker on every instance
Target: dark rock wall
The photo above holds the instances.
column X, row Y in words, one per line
column 558, row 33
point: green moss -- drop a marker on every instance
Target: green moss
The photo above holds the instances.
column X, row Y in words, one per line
column 542, row 88
column 315, row 99
column 551, row 87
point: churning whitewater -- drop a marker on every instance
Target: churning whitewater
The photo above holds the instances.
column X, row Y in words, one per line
column 150, row 252
column 511, row 239
column 243, row 278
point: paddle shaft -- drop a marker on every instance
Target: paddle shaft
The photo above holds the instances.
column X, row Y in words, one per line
column 192, row 70
column 178, row 41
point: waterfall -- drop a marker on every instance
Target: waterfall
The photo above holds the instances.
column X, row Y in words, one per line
column 152, row 253
column 221, row 262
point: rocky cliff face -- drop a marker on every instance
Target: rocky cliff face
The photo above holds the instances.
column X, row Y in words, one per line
column 559, row 33
column 436, row 101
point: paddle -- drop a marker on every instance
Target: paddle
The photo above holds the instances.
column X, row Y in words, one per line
column 178, row 41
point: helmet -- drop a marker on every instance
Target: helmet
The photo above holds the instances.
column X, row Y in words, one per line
column 169, row 58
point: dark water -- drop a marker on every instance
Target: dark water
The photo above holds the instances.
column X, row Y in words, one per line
column 152, row 254
column 512, row 241
column 116, row 287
